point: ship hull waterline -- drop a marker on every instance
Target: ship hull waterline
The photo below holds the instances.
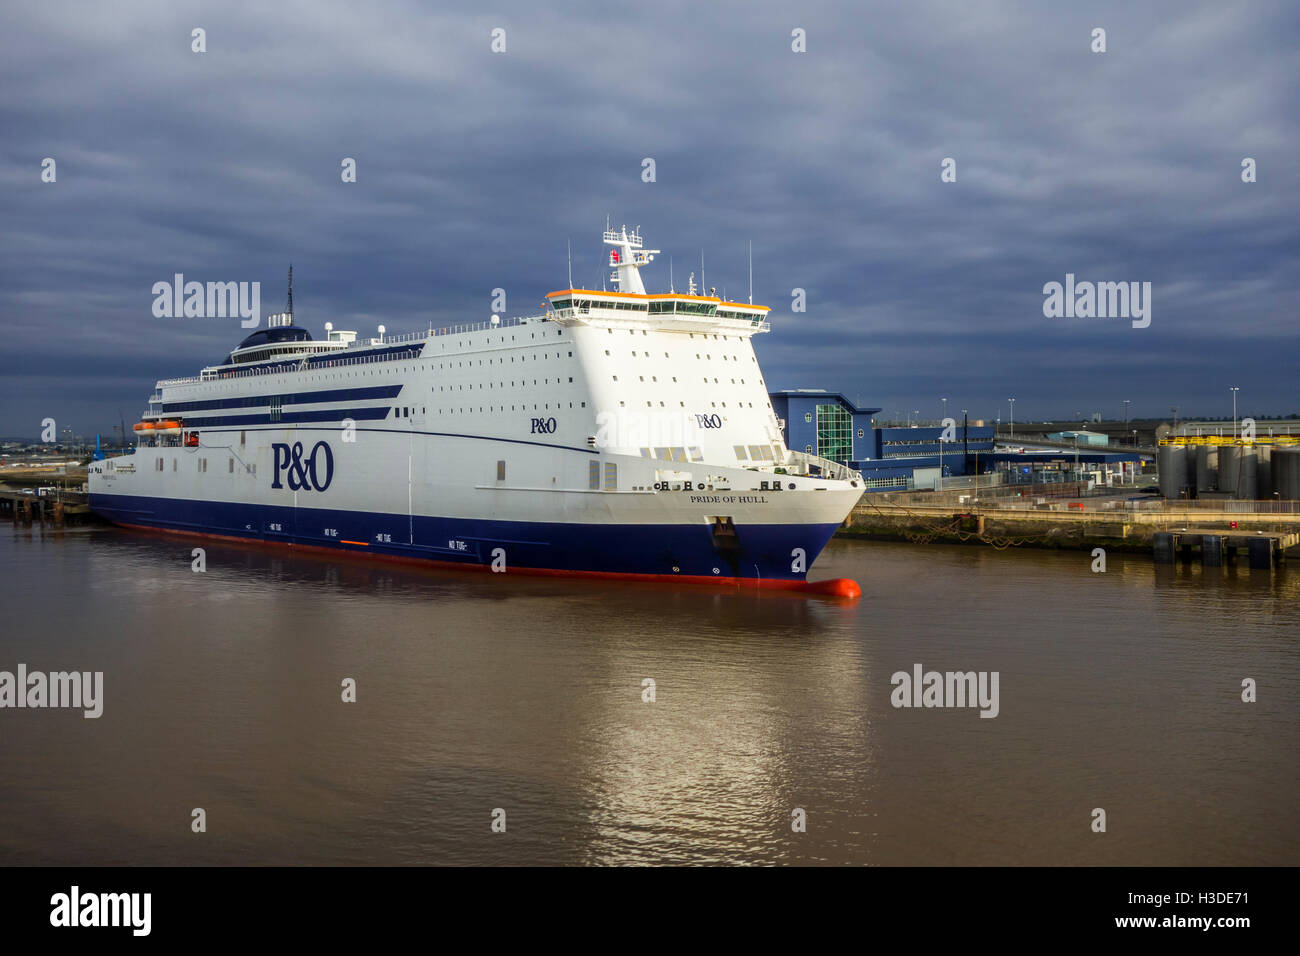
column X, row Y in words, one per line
column 684, row 554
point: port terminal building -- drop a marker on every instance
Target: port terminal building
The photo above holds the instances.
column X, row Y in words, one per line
column 827, row 424
column 917, row 457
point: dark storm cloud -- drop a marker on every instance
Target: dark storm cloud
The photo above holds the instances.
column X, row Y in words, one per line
column 474, row 168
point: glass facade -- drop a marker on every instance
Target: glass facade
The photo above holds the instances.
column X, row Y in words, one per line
column 834, row 433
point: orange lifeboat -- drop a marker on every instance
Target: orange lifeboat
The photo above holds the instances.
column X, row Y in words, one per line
column 167, row 426
column 143, row 429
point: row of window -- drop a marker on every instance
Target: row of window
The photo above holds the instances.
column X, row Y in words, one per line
column 649, row 404
column 202, row 466
column 759, row 452
column 707, row 355
column 656, row 307
column 703, row 335
column 693, row 453
column 461, row 388
column 512, row 358
column 655, row 378
column 594, row 471
column 674, row 453
column 545, row 406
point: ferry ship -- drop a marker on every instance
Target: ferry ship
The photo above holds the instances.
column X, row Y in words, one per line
column 617, row 433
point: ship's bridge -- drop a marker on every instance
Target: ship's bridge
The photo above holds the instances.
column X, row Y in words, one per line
column 631, row 306
column 669, row 311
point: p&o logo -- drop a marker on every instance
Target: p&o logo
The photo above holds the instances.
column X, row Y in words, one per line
column 543, row 426
column 303, row 474
column 708, row 421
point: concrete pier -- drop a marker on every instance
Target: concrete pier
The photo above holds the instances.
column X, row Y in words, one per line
column 1215, row 538
column 1263, row 549
column 58, row 511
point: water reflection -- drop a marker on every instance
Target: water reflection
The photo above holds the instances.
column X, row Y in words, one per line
column 479, row 691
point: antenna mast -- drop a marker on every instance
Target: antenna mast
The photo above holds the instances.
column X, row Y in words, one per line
column 751, row 275
column 569, row 242
column 290, row 309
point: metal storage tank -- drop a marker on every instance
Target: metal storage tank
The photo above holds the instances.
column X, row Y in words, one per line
column 1229, row 467
column 1264, row 472
column 1286, row 473
column 1207, row 468
column 1171, row 462
column 1248, row 474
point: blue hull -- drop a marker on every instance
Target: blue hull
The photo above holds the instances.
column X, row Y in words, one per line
column 758, row 552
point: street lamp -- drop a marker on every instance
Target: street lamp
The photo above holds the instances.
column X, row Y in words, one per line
column 1234, row 409
column 1126, row 401
column 943, row 425
column 1013, row 416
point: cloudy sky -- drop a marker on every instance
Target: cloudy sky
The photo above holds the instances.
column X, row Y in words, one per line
column 475, row 167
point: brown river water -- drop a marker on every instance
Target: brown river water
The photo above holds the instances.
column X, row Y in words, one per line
column 479, row 692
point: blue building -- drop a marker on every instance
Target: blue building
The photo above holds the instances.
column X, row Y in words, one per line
column 828, row 424
column 825, row 423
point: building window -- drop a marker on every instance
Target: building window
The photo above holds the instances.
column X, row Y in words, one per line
column 834, row 431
